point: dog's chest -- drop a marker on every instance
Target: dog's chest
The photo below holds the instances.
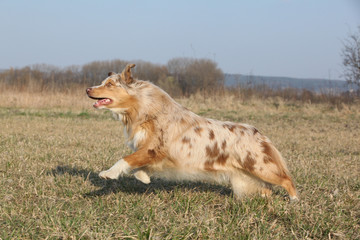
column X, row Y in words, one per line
column 133, row 142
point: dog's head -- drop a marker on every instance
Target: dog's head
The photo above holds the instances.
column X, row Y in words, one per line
column 113, row 91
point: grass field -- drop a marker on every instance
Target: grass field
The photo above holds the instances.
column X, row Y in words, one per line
column 51, row 151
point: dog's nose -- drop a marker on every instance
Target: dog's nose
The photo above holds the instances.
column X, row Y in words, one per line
column 88, row 90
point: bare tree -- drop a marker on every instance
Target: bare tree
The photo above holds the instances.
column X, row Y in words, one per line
column 351, row 58
column 196, row 74
column 150, row 71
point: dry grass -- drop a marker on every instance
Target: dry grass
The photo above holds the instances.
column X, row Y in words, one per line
column 53, row 146
column 75, row 99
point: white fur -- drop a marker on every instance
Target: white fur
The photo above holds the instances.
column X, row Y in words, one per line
column 115, row 171
column 134, row 142
column 142, row 176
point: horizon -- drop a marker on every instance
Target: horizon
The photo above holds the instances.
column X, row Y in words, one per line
column 62, row 68
column 279, row 38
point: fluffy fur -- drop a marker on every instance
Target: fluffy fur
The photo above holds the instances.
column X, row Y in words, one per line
column 170, row 141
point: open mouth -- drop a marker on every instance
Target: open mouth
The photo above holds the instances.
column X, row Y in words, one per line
column 101, row 101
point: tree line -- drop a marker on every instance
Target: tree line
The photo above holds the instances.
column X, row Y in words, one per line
column 180, row 76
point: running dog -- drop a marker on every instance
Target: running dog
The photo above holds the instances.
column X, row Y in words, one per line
column 170, row 141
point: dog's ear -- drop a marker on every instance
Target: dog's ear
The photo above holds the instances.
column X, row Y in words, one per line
column 126, row 74
column 111, row 73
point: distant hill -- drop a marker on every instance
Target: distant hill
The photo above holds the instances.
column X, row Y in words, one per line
column 315, row 85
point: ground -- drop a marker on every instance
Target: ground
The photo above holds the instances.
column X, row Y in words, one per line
column 50, row 157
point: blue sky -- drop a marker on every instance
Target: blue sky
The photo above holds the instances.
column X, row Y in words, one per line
column 294, row 38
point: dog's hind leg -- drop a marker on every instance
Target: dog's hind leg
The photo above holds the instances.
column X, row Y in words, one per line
column 244, row 184
column 266, row 191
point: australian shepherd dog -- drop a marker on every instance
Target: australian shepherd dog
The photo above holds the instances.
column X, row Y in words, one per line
column 169, row 141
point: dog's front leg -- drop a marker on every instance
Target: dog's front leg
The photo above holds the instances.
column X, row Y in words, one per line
column 142, row 176
column 115, row 171
column 124, row 166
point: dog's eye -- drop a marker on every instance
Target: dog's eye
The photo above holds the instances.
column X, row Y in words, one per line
column 109, row 84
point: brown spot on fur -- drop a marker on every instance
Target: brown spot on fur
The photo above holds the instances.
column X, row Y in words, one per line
column 152, row 153
column 182, row 121
column 249, row 163
column 223, row 145
column 266, row 148
column 261, row 169
column 211, row 134
column 255, row 131
column 198, row 130
column 212, row 152
column 231, row 127
column 268, row 158
column 208, row 122
column 222, row 158
column 189, row 154
column 185, row 140
column 144, row 157
column 209, row 166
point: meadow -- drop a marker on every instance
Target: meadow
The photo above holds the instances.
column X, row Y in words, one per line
column 53, row 145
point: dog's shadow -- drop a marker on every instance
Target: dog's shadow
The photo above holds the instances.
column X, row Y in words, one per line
column 129, row 184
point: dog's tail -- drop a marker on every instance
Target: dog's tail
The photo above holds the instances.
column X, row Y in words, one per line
column 279, row 175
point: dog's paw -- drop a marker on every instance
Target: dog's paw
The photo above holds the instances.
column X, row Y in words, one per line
column 294, row 199
column 142, row 176
column 108, row 174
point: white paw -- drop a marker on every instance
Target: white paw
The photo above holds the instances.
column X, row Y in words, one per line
column 294, row 199
column 142, row 176
column 108, row 174
column 114, row 172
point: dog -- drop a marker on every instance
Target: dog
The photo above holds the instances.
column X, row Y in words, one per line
column 170, row 141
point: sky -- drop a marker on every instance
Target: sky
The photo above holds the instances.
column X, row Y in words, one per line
column 292, row 38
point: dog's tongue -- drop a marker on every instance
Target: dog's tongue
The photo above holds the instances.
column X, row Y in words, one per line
column 100, row 102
